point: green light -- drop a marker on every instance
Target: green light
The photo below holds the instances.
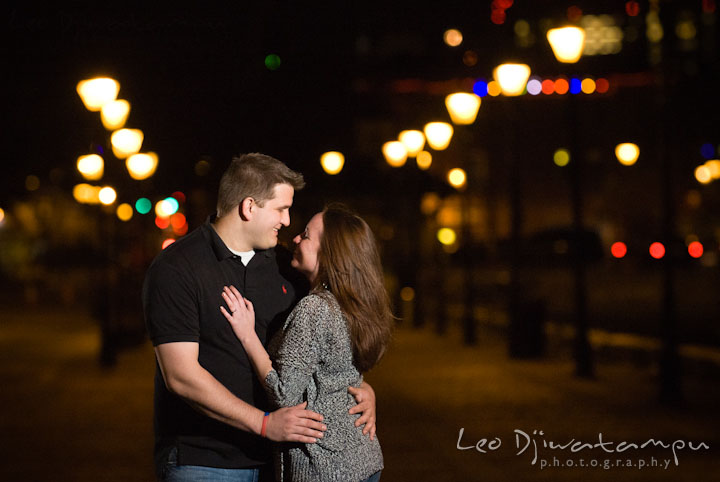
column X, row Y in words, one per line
column 173, row 205
column 272, row 62
column 143, row 205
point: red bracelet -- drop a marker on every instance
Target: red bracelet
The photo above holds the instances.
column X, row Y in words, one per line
column 264, row 425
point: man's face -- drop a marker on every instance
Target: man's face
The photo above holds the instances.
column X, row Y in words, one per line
column 267, row 220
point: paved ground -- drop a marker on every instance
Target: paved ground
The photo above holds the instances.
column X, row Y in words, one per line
column 66, row 419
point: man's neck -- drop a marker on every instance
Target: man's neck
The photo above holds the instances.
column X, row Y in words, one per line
column 231, row 234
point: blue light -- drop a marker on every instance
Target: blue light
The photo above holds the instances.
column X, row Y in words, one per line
column 707, row 150
column 480, row 88
column 575, row 86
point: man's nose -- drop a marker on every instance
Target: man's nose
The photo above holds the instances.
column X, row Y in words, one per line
column 285, row 221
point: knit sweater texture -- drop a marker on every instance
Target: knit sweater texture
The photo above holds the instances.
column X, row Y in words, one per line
column 313, row 362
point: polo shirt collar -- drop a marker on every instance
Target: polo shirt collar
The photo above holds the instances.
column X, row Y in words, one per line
column 219, row 247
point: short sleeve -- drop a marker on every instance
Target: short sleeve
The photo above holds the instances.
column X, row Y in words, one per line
column 297, row 355
column 170, row 305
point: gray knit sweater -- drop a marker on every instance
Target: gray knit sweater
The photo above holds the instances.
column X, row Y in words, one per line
column 312, row 359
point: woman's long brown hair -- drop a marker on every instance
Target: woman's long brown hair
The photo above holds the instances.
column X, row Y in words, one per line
column 350, row 268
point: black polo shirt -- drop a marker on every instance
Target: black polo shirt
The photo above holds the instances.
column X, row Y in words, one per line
column 181, row 300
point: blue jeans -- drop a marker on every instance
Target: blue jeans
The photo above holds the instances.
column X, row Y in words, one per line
column 373, row 478
column 196, row 473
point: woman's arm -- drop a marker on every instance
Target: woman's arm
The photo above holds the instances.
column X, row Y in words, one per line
column 242, row 320
column 297, row 357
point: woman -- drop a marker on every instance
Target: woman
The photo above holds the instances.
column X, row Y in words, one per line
column 333, row 335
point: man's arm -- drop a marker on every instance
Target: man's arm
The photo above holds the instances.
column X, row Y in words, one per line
column 185, row 377
column 365, row 398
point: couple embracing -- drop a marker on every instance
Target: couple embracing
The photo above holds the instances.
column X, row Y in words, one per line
column 214, row 301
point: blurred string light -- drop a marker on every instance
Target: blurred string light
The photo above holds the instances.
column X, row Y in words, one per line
column 114, row 114
column 452, row 37
column 438, row 135
column 657, row 250
column 142, row 165
column 462, row 107
column 32, row 182
column 703, row 175
column 97, row 92
column 707, row 150
column 126, row 142
column 632, row 8
column 480, row 88
column 424, row 160
column 395, row 153
column 162, row 222
column 494, row 88
column 180, row 196
column 627, row 153
column 86, row 194
column 272, row 62
column 332, row 162
column 107, row 195
column 561, row 158
column 457, row 178
column 618, row 249
column 413, row 140
column 124, row 212
column 143, row 205
column 498, row 9
column 713, row 166
column 91, row 167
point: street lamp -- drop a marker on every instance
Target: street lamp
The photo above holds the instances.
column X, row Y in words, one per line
column 141, row 166
column 512, row 78
column 438, row 135
column 462, row 107
column 332, row 162
column 567, row 44
column 91, row 167
column 395, row 153
column 114, row 114
column 627, row 153
column 97, row 92
column 126, row 142
column 413, row 140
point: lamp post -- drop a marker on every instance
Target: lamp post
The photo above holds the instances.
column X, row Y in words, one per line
column 463, row 108
column 567, row 44
column 513, row 79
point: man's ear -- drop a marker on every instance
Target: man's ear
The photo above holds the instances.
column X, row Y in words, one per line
column 246, row 208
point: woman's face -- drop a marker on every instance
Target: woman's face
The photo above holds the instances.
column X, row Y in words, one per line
column 307, row 246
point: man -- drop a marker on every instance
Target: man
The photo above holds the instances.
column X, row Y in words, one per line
column 206, row 420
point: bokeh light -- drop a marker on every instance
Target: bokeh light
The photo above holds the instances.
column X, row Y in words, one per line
column 703, row 175
column 395, row 153
column 143, row 205
column 162, row 222
column 602, row 86
column 107, row 195
column 618, row 249
column 424, row 160
column 494, row 89
column 97, row 92
column 548, row 86
column 167, row 242
column 575, row 85
column 332, row 162
column 142, row 165
column 627, row 153
column 407, row 293
column 124, row 212
column 695, row 249
column 462, row 107
column 32, row 182
column 457, row 177
column 714, row 166
column 126, row 142
column 657, row 250
column 452, row 37
column 114, row 114
column 91, row 167
column 413, row 140
column 438, row 135
column 534, row 86
column 561, row 157
column 588, row 86
column 2, row 215
column 446, row 236
column 707, row 150
column 272, row 62
column 562, row 86
column 480, row 88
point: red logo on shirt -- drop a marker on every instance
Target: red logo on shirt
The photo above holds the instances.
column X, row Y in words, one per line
column 284, row 290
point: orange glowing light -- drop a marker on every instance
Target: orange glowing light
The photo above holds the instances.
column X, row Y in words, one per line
column 562, row 86
column 167, row 242
column 181, row 231
column 657, row 250
column 601, row 86
column 619, row 249
column 695, row 249
column 177, row 220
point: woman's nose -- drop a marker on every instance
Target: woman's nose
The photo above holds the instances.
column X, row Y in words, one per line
column 296, row 239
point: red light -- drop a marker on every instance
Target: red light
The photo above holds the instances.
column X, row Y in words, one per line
column 574, row 13
column 601, row 86
column 181, row 231
column 708, row 6
column 548, row 86
column 618, row 250
column 657, row 250
column 632, row 8
column 162, row 223
column 498, row 17
column 503, row 4
column 179, row 196
column 167, row 242
column 695, row 249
